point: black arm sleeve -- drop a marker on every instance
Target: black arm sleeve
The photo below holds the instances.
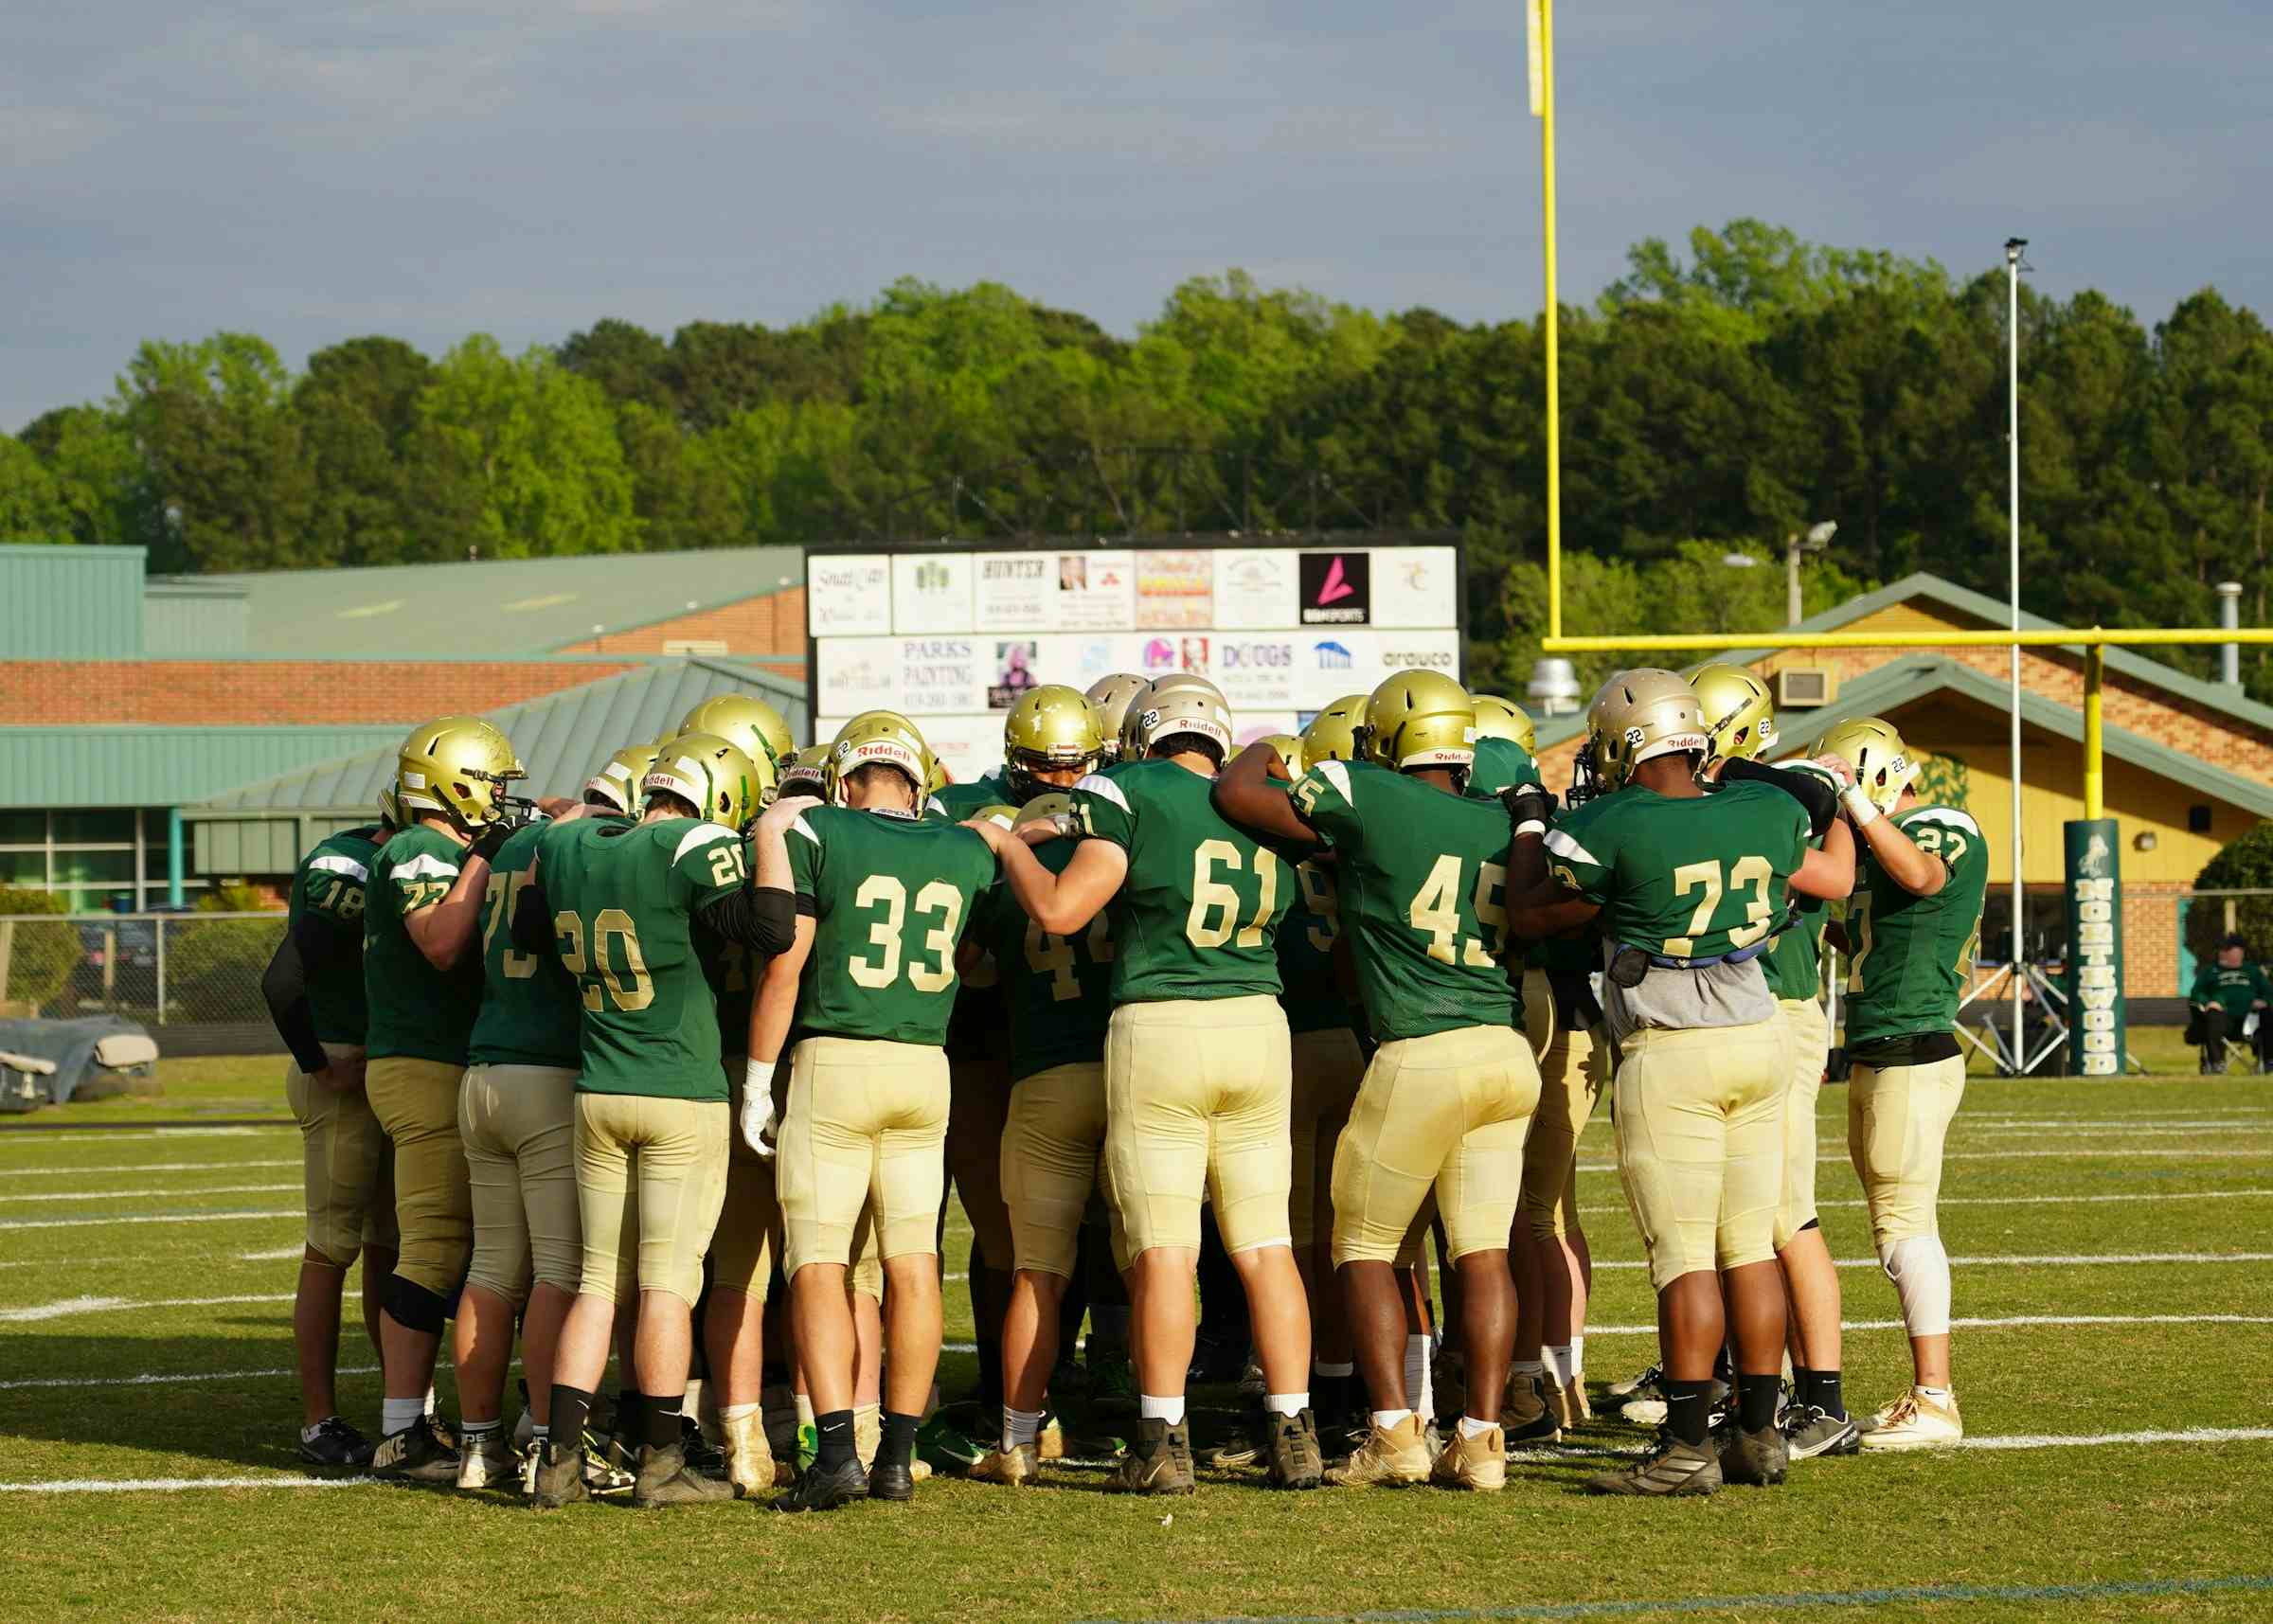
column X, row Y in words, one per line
column 532, row 924
column 765, row 921
column 1820, row 798
column 284, row 986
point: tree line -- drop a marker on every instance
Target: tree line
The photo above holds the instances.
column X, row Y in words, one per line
column 1714, row 403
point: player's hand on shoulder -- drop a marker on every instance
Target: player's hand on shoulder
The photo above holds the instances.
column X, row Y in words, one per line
column 776, row 818
column 343, row 1076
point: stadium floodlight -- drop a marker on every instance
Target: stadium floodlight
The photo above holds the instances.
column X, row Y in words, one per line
column 1813, row 540
column 1553, row 690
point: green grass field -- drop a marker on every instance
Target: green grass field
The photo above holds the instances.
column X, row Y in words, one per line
column 2113, row 1237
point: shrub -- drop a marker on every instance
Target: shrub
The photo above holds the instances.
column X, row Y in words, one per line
column 36, row 958
column 2244, row 863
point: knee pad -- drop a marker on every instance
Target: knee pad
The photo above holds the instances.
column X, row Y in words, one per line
column 1919, row 1267
column 414, row 1307
column 1811, row 1223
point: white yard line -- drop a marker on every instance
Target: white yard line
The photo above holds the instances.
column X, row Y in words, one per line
column 2013, row 1322
column 1609, row 1206
column 146, row 1194
column 169, row 1378
column 2034, row 1259
column 31, row 1137
column 295, row 1213
column 67, row 1306
column 139, row 1167
column 1833, row 1152
column 178, row 1485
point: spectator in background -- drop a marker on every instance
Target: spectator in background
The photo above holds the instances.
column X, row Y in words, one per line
column 2220, row 1001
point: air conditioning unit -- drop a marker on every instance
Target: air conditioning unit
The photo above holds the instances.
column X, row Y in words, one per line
column 711, row 646
column 1803, row 688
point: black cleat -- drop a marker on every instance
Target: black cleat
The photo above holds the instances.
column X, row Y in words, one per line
column 559, row 1478
column 336, row 1444
column 890, row 1482
column 1158, row 1461
column 418, row 1453
column 819, row 1488
column 1293, row 1450
column 667, row 1478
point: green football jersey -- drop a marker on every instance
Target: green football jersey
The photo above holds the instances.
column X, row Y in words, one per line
column 1198, row 914
column 530, row 1015
column 892, row 897
column 1795, row 963
column 416, row 1010
column 1683, row 876
column 961, row 801
column 331, row 885
column 625, row 901
column 1423, row 881
column 1313, row 1000
column 1500, row 764
column 1056, row 989
column 1909, row 955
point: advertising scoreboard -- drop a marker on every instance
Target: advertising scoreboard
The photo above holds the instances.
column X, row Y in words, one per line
column 951, row 638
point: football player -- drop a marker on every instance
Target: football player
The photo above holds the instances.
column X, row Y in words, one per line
column 1111, row 695
column 882, row 897
column 1447, row 1098
column 621, row 904
column 313, row 989
column 1739, row 722
column 1689, row 888
column 516, row 1115
column 423, row 987
column 616, row 786
column 749, row 724
column 1198, row 1065
column 1911, row 930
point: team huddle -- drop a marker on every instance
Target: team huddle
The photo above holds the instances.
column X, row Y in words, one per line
column 1178, row 1022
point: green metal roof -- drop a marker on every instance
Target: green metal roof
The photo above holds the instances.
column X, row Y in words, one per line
column 69, row 602
column 160, row 766
column 500, row 606
column 563, row 739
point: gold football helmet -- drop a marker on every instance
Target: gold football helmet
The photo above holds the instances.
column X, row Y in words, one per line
column 713, row 775
column 1111, row 695
column 1289, row 749
column 1052, row 728
column 1332, row 735
column 1000, row 814
column 1498, row 718
column 1875, row 755
column 617, row 783
column 1179, row 703
column 1053, row 806
column 881, row 738
column 1637, row 716
column 390, row 807
column 456, row 766
column 1420, row 719
column 806, row 775
column 1740, row 713
column 743, row 720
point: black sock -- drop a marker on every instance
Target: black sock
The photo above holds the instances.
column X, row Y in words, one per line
column 571, row 1409
column 1687, row 1410
column 899, row 1445
column 1756, row 1399
column 1822, row 1389
column 835, row 1430
column 1329, row 1397
column 662, row 1411
column 1721, row 1369
column 631, row 1416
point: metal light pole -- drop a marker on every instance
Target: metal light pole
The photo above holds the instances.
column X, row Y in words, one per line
column 2014, row 247
column 1813, row 540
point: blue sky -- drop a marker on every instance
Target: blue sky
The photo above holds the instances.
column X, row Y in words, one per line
column 311, row 170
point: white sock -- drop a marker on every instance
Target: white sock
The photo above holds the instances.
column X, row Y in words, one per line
column 1169, row 1410
column 538, row 1434
column 1419, row 1385
column 1286, row 1404
column 477, row 1429
column 1386, row 1419
column 735, row 1412
column 1321, row 1367
column 1940, row 1395
column 1471, row 1427
column 1557, row 1359
column 805, row 1410
column 1577, row 1357
column 429, row 1410
column 396, row 1413
column 1019, row 1426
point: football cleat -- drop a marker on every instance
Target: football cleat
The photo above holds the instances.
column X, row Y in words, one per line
column 808, row 1449
column 1448, row 1378
column 1295, row 1462
column 417, row 1453
column 1250, row 1380
column 1526, row 1416
column 893, row 1482
column 1809, row 1431
column 820, row 1491
column 701, row 1455
column 485, row 1460
column 337, row 1444
column 1756, row 1459
column 1158, row 1461
column 1479, row 1463
column 749, row 1460
column 1577, row 1410
column 1650, row 1411
column 1049, row 1443
column 667, row 1478
column 1390, row 1457
column 945, row 1445
column 557, row 1475
column 1668, row 1467
column 1017, row 1467
column 603, row 1476
column 1644, row 1386
column 1915, row 1421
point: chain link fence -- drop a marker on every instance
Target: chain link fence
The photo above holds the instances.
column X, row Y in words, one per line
column 194, row 978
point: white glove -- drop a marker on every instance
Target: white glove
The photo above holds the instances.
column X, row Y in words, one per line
column 1859, row 807
column 756, row 1124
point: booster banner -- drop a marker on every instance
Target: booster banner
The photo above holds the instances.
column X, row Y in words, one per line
column 2096, row 1037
